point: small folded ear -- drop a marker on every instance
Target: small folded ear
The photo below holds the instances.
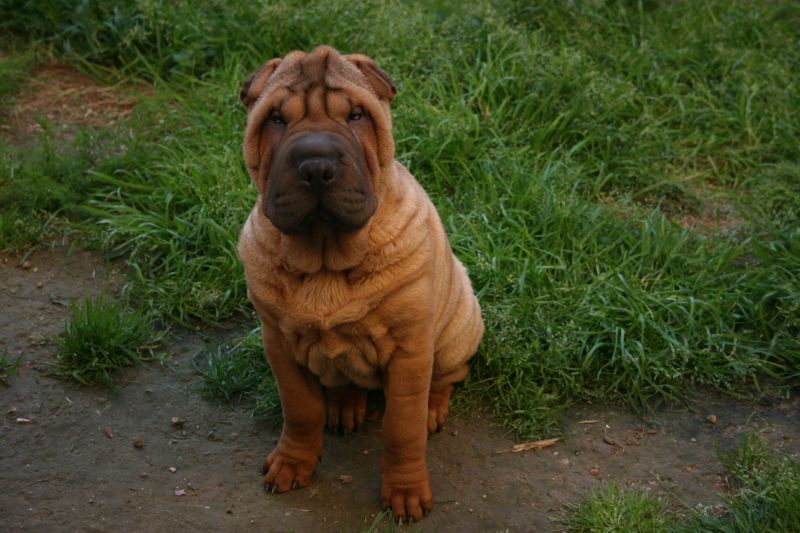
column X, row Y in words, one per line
column 254, row 85
column 381, row 82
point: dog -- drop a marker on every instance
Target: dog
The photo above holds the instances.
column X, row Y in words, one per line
column 350, row 271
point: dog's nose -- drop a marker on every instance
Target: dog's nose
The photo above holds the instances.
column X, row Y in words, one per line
column 318, row 172
column 316, row 157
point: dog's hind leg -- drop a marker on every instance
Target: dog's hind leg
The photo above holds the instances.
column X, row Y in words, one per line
column 347, row 407
column 439, row 398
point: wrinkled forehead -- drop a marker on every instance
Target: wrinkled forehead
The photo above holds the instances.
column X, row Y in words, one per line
column 300, row 72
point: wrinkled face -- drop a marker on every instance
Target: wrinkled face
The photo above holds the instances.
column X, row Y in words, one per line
column 322, row 161
column 312, row 144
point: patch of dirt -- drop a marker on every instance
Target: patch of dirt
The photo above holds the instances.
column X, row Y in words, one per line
column 67, row 100
column 705, row 209
column 700, row 200
column 71, row 459
column 716, row 214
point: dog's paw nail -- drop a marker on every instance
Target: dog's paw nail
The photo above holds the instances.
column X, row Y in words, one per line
column 294, row 484
column 273, row 489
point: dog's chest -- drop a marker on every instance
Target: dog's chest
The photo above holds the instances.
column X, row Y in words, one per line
column 335, row 331
column 353, row 352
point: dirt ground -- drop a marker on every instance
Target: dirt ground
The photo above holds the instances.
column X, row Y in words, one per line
column 68, row 461
column 63, row 99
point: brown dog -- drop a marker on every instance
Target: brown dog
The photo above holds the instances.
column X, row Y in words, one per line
column 350, row 271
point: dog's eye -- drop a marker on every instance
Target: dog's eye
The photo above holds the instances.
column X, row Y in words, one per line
column 276, row 118
column 356, row 114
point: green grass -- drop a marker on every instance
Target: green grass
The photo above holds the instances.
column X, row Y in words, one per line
column 765, row 489
column 560, row 142
column 14, row 69
column 102, row 337
column 238, row 374
column 42, row 184
column 8, row 366
column 612, row 509
column 382, row 522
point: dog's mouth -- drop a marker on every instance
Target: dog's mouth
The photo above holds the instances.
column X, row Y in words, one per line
column 318, row 178
column 294, row 221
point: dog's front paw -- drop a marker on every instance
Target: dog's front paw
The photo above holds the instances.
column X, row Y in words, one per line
column 408, row 503
column 284, row 472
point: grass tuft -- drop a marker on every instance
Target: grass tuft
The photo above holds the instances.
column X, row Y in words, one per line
column 766, row 489
column 8, row 367
column 239, row 374
column 102, row 337
column 382, row 522
column 613, row 509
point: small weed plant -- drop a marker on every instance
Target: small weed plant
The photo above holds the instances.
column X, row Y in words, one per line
column 8, row 366
column 613, row 509
column 765, row 492
column 102, row 337
column 239, row 374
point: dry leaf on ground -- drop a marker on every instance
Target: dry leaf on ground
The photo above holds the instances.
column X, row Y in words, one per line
column 533, row 445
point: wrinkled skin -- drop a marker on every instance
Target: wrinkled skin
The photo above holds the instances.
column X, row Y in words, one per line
column 317, row 176
column 350, row 272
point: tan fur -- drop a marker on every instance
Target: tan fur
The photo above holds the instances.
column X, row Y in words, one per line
column 387, row 306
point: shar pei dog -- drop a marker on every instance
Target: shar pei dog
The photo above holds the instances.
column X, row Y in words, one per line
column 350, row 271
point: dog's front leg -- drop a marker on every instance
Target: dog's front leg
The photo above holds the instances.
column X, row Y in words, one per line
column 291, row 464
column 405, row 486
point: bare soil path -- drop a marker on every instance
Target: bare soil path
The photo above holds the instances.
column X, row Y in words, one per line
column 68, row 460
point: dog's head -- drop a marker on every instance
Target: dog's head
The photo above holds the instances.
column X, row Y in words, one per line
column 318, row 138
